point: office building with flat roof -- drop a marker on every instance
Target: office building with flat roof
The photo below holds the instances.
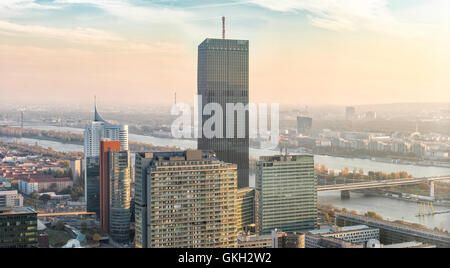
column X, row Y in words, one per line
column 286, row 193
column 223, row 78
column 18, row 228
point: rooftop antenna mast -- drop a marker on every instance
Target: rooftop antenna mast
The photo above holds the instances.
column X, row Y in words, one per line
column 223, row 27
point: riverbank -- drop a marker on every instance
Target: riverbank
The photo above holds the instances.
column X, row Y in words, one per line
column 171, row 143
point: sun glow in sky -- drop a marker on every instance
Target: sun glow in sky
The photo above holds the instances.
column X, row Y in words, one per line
column 310, row 52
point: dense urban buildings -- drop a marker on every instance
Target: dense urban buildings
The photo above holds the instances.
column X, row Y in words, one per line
column 191, row 199
column 286, row 189
column 18, row 228
column 223, row 78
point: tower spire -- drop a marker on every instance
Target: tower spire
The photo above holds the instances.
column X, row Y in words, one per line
column 97, row 116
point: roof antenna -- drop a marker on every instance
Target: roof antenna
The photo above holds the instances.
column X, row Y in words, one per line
column 223, row 27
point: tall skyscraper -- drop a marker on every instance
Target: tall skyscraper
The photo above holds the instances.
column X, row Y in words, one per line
column 96, row 131
column 115, row 190
column 223, row 77
column 286, row 188
column 120, row 195
column 142, row 165
column 93, row 185
column 190, row 201
column 105, row 167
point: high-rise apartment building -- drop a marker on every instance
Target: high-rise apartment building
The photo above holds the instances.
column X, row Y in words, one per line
column 223, row 78
column 190, row 200
column 18, row 228
column 286, row 193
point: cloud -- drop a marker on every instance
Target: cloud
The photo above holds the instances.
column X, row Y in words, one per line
column 78, row 34
column 88, row 38
column 23, row 4
column 342, row 15
column 125, row 9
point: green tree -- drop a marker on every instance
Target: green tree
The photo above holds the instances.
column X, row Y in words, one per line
column 45, row 198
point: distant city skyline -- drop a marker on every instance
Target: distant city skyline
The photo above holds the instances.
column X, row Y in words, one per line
column 315, row 52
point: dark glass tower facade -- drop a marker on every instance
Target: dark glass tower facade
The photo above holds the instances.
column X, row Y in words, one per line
column 223, row 67
column 93, row 185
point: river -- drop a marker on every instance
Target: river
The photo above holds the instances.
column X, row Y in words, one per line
column 389, row 208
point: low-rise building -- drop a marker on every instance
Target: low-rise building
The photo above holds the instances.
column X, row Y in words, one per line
column 9, row 197
column 357, row 235
column 43, row 183
column 18, row 228
column 254, row 241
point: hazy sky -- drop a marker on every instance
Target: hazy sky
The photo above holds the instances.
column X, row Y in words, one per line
column 302, row 51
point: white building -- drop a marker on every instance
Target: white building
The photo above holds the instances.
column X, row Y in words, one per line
column 10, row 198
column 28, row 187
column 101, row 129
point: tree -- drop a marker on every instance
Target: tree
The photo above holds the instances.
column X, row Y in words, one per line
column 96, row 237
column 83, row 227
column 60, row 226
column 35, row 195
column 327, row 217
column 45, row 198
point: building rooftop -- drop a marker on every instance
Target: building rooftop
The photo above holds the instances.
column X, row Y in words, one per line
column 339, row 230
column 17, row 210
column 285, row 158
column 41, row 179
column 190, row 155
